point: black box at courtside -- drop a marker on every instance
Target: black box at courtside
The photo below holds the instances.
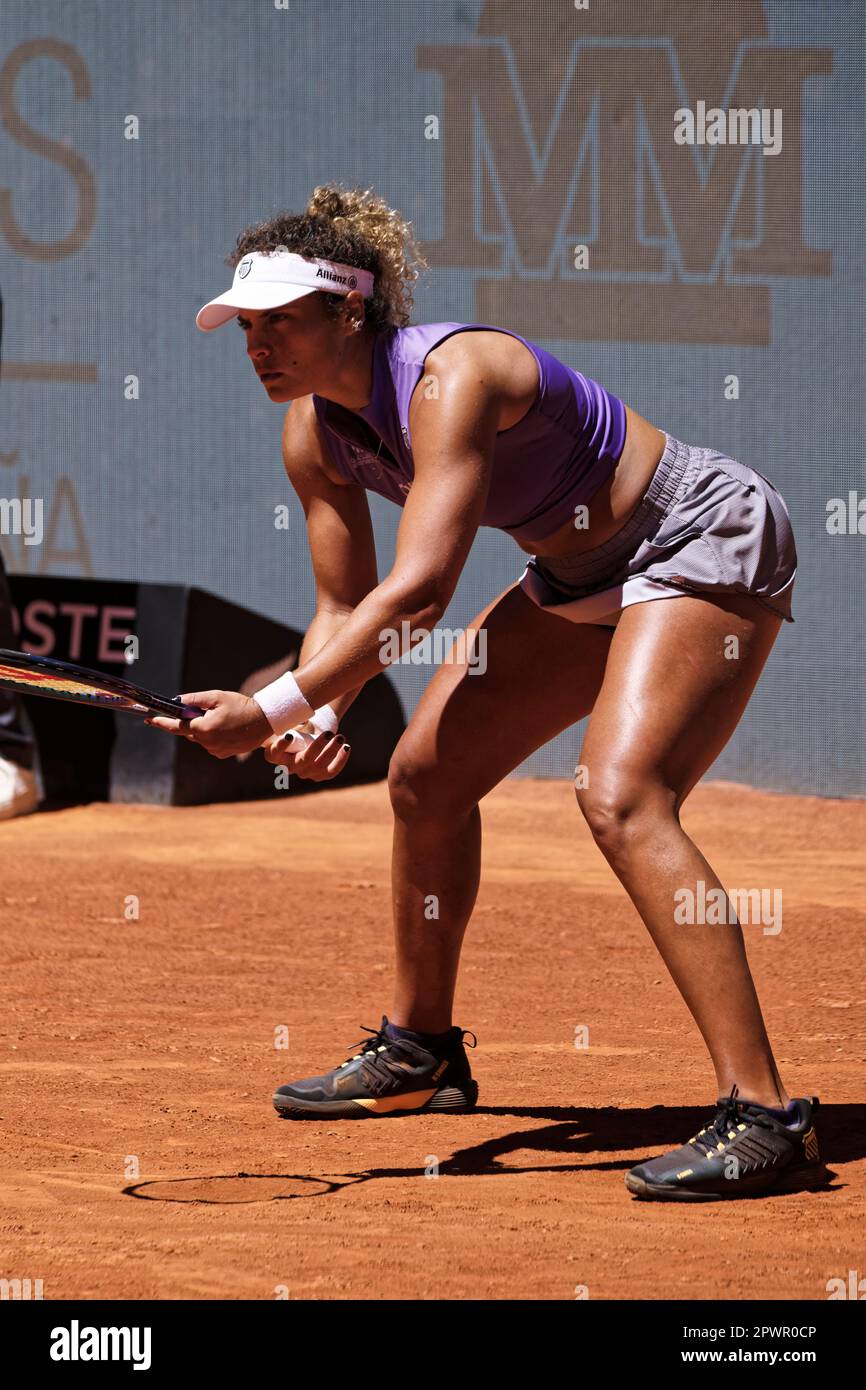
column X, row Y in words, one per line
column 186, row 640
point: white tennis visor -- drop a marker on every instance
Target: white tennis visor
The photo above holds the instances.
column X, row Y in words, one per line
column 267, row 279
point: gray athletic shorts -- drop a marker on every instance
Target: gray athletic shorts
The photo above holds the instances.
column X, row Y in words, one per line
column 706, row 524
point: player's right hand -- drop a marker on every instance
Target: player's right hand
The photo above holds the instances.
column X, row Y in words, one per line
column 317, row 760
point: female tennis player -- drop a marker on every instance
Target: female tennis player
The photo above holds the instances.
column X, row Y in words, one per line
column 659, row 574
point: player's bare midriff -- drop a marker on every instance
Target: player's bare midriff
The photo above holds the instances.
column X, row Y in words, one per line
column 617, row 499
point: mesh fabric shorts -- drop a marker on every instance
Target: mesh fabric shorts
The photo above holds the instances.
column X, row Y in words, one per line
column 706, row 524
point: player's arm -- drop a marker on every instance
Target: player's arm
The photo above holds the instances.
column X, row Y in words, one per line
column 339, row 534
column 453, row 439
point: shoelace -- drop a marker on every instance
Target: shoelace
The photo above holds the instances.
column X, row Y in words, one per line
column 727, row 1117
column 379, row 1042
column 381, row 1069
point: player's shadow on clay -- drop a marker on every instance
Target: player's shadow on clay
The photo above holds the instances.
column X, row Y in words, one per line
column 573, row 1133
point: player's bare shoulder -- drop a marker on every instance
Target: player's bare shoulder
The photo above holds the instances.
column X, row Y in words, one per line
column 304, row 451
column 490, row 361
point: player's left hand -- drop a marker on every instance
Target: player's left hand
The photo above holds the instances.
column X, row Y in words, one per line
column 233, row 723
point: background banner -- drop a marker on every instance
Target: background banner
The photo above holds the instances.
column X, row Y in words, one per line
column 717, row 287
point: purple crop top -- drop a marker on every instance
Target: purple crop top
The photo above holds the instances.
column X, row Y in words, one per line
column 550, row 462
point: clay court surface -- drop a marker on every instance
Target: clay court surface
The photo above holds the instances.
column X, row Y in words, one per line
column 155, row 1039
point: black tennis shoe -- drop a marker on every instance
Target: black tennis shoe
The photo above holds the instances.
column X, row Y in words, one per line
column 389, row 1076
column 744, row 1152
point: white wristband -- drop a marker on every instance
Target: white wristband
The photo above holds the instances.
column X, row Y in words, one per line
column 325, row 720
column 282, row 703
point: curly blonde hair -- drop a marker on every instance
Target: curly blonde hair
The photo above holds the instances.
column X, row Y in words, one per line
column 355, row 227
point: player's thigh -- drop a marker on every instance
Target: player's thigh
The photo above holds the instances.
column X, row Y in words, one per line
column 520, row 677
column 678, row 678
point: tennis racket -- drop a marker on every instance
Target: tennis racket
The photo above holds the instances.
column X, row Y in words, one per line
column 59, row 680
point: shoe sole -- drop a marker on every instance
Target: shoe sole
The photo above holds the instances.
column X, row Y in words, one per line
column 453, row 1098
column 799, row 1179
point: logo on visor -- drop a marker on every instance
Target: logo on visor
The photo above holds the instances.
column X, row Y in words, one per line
column 245, row 267
column 350, row 281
